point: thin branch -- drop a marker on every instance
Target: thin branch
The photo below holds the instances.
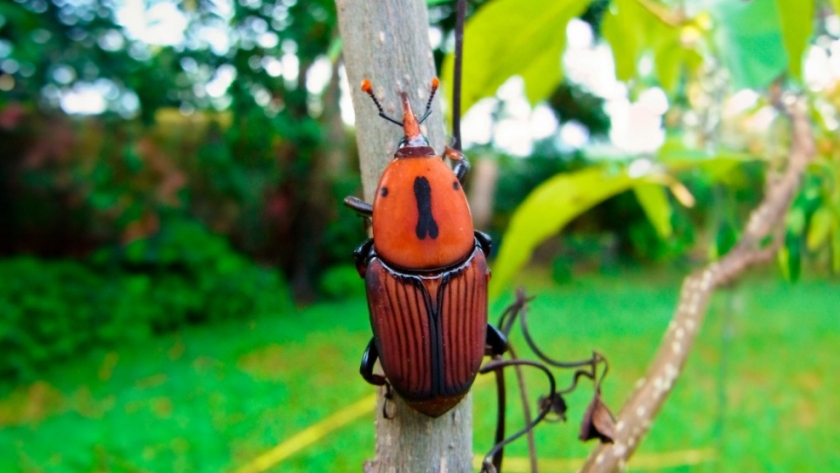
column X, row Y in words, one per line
column 765, row 223
column 526, row 411
column 460, row 15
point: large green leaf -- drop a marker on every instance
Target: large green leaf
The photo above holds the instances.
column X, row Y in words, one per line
column 654, row 201
column 624, row 28
column 797, row 23
column 676, row 157
column 549, row 208
column 669, row 59
column 557, row 201
column 750, row 40
column 632, row 30
column 514, row 37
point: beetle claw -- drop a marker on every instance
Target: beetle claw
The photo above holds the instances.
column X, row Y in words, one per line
column 388, row 400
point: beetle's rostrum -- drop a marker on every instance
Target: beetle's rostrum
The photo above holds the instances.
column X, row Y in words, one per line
column 425, row 272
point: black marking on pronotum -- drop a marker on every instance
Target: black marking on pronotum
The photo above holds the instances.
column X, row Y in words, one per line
column 455, row 185
column 426, row 225
column 383, row 192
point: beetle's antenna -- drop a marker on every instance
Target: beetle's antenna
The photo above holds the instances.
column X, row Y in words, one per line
column 368, row 89
column 435, row 85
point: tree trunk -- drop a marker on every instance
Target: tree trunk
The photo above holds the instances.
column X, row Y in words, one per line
column 387, row 42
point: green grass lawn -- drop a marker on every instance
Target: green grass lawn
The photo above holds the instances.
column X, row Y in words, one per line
column 760, row 388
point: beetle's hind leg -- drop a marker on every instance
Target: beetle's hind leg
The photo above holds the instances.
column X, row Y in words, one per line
column 496, row 343
column 369, row 358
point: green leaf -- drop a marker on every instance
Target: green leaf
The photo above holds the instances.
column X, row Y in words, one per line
column 654, row 201
column 797, row 24
column 542, row 75
column 750, row 40
column 820, row 228
column 835, row 250
column 677, row 157
column 795, row 221
column 624, row 28
column 836, row 4
column 547, row 209
column 725, row 239
column 669, row 59
column 510, row 37
column 631, row 29
column 790, row 257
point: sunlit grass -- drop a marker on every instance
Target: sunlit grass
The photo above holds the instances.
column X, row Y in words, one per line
column 757, row 389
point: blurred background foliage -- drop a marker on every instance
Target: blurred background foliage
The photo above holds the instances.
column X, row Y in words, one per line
column 190, row 169
column 116, row 139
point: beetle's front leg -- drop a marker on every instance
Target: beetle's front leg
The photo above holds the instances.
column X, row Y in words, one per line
column 485, row 242
column 462, row 164
column 496, row 343
column 362, row 255
column 360, row 206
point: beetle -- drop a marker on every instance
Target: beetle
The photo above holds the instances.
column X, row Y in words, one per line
column 425, row 272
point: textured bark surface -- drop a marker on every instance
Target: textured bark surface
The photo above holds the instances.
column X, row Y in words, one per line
column 766, row 222
column 387, row 42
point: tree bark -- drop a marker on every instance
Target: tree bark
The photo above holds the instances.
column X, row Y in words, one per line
column 766, row 222
column 482, row 192
column 387, row 42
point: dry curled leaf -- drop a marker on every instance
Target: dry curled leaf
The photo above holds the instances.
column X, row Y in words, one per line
column 598, row 422
column 488, row 467
column 556, row 405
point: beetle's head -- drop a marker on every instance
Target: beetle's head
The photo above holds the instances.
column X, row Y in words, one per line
column 410, row 123
column 411, row 126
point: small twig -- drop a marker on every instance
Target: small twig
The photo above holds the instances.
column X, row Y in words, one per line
column 457, row 72
column 526, row 411
column 545, row 408
column 765, row 222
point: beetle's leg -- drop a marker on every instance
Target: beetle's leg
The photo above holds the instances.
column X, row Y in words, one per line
column 361, row 256
column 496, row 342
column 389, row 400
column 366, row 369
column 360, row 206
column 485, row 242
column 369, row 358
column 462, row 164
